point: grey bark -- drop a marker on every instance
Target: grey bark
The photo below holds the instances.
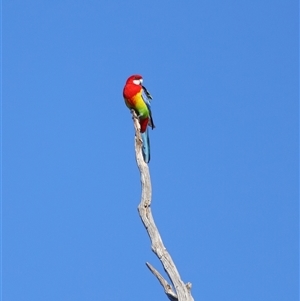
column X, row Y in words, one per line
column 179, row 291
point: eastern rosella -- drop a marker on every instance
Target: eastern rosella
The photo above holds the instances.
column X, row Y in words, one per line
column 135, row 100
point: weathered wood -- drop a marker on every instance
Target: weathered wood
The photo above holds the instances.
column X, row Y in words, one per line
column 183, row 291
column 167, row 287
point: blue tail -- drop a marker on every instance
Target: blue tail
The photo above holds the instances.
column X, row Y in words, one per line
column 146, row 146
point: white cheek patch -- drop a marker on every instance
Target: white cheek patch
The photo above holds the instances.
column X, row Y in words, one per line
column 141, row 80
column 136, row 81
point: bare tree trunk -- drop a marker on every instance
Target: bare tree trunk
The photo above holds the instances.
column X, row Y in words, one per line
column 179, row 291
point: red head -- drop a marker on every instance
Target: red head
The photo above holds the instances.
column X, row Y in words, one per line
column 135, row 79
column 133, row 86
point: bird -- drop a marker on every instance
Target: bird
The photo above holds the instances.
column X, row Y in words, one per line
column 138, row 98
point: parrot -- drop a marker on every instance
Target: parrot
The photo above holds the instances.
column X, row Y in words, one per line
column 138, row 98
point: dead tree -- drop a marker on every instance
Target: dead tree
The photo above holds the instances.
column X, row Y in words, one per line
column 179, row 291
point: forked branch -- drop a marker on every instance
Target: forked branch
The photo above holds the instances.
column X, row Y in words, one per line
column 179, row 291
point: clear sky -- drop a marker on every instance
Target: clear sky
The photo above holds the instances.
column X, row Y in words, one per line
column 224, row 166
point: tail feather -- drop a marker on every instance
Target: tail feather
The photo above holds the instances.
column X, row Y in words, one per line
column 146, row 146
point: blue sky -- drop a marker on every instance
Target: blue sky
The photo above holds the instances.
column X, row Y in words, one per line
column 224, row 164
